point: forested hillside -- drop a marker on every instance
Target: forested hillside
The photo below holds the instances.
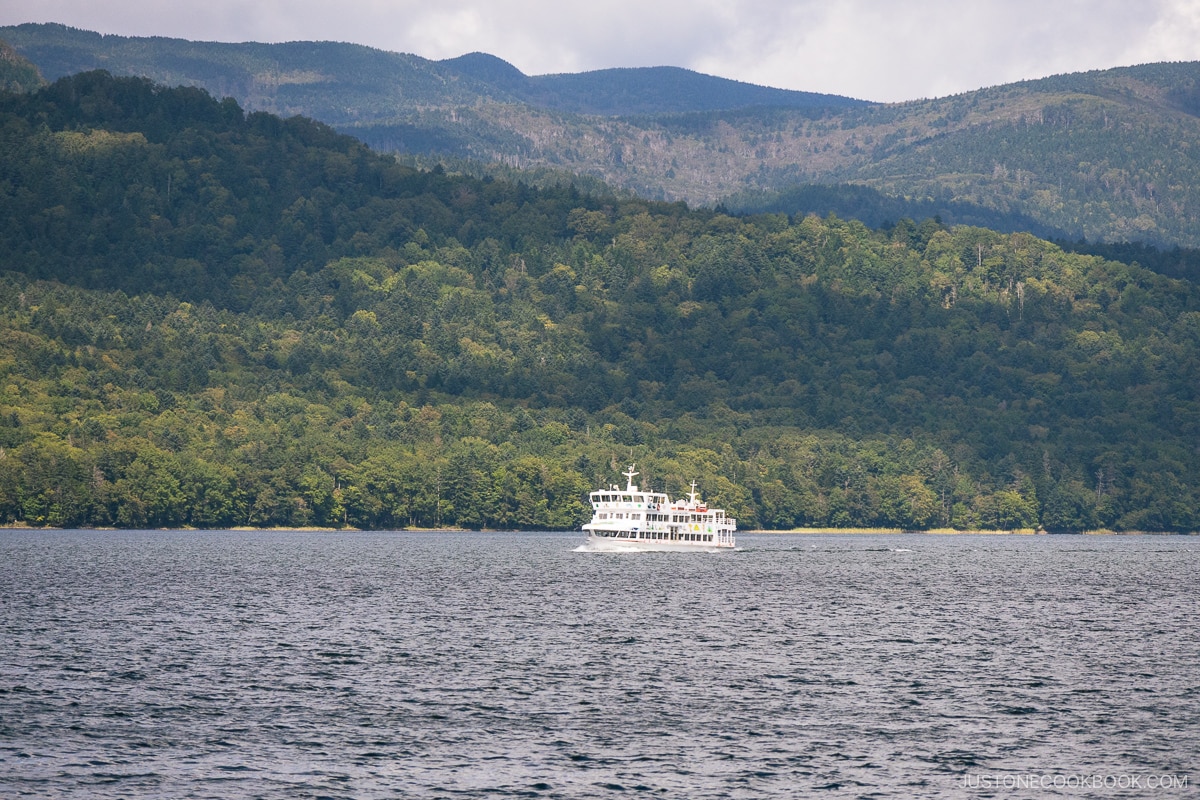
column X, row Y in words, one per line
column 1104, row 156
column 17, row 74
column 216, row 318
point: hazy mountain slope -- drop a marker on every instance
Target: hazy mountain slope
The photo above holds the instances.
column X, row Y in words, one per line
column 17, row 73
column 337, row 82
column 1107, row 155
column 648, row 90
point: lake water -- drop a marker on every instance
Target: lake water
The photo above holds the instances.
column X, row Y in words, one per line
column 221, row 664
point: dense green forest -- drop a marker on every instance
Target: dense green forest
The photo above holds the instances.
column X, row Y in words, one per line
column 214, row 318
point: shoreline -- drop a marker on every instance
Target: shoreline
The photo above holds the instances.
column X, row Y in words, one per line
column 956, row 532
column 748, row 532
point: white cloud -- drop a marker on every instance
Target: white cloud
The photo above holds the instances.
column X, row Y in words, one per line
column 1174, row 36
column 924, row 48
column 447, row 32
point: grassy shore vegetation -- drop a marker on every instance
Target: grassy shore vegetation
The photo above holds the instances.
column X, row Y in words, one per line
column 215, row 319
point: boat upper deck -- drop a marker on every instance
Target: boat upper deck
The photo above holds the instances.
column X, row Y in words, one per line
column 632, row 498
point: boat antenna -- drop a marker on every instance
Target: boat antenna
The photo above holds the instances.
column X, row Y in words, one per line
column 629, row 474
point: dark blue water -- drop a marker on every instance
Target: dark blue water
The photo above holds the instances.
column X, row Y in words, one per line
column 384, row 665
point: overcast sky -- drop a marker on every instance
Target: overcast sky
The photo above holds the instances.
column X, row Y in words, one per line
column 885, row 50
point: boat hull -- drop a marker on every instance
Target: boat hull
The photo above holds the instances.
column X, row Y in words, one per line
column 602, row 544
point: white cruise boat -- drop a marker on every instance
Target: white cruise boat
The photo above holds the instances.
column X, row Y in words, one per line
column 637, row 519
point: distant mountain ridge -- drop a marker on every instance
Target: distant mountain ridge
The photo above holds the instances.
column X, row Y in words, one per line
column 637, row 90
column 253, row 72
column 1107, row 155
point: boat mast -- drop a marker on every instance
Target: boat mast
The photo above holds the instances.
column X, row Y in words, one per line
column 629, row 487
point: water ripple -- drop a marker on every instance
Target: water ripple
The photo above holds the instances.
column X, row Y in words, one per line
column 372, row 665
